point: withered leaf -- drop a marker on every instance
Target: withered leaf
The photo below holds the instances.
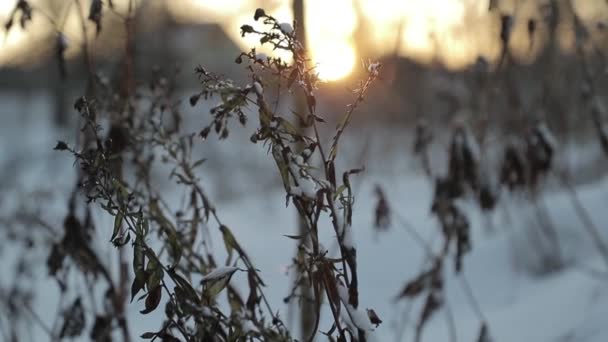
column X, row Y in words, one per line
column 155, row 273
column 80, row 104
column 185, row 286
column 121, row 240
column 152, row 300
column 382, row 212
column 234, row 299
column 148, row 335
column 215, row 281
column 295, row 237
column 139, row 257
column 252, row 299
column 259, row 13
column 73, row 320
column 373, row 317
column 117, row 225
column 194, row 99
column 55, row 260
column 429, row 279
column 138, row 284
column 61, row 146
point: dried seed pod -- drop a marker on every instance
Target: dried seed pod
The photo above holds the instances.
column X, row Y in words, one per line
column 513, row 172
column 463, row 237
column 373, row 317
column 95, row 14
column 464, row 158
column 26, row 12
column 446, row 190
column 382, row 219
column 428, row 280
column 540, row 148
column 118, row 138
column 423, row 137
column 506, row 25
column 259, row 13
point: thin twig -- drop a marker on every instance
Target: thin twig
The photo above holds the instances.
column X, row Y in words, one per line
column 415, row 235
column 38, row 320
column 584, row 216
column 471, row 297
column 451, row 323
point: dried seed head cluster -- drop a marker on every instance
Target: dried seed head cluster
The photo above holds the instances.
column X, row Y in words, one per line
column 524, row 164
column 23, row 10
column 95, row 14
column 383, row 213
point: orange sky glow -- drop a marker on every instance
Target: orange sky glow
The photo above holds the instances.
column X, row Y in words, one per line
column 340, row 33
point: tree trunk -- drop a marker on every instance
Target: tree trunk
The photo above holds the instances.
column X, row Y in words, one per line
column 307, row 309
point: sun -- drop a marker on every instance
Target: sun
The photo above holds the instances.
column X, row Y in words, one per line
column 333, row 60
column 330, row 26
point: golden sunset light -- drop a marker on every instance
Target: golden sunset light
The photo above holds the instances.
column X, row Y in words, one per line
column 340, row 33
column 330, row 27
column 303, row 170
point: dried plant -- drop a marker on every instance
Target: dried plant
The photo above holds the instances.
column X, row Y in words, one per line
column 164, row 254
column 182, row 270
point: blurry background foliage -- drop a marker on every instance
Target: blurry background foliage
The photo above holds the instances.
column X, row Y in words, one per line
column 431, row 44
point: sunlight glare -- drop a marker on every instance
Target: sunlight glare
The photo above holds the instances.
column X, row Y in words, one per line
column 221, row 7
column 329, row 31
column 334, row 60
column 338, row 32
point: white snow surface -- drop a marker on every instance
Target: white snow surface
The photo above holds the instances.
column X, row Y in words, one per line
column 518, row 301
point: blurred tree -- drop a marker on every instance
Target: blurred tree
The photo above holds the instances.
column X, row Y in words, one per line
column 307, row 319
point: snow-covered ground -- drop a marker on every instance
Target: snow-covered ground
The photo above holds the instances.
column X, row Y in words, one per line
column 517, row 299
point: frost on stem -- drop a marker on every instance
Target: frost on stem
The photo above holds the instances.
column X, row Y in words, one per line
column 219, row 273
column 357, row 317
